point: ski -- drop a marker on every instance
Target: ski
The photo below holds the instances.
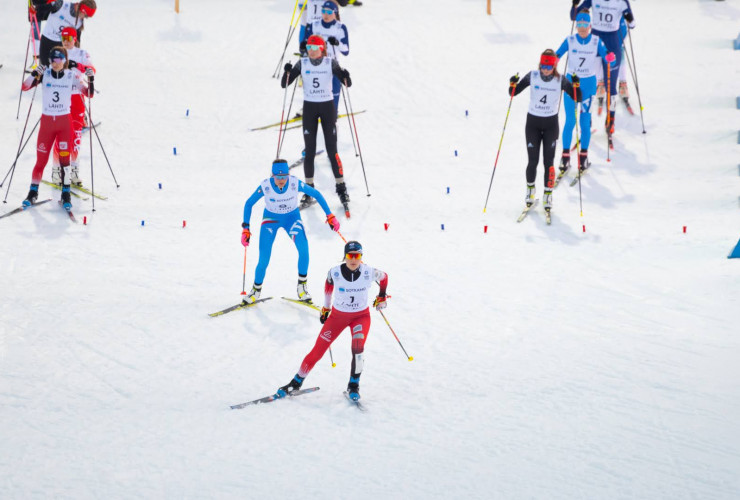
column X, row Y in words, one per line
column 561, row 174
column 292, row 120
column 87, row 129
column 68, row 211
column 526, row 210
column 23, row 208
column 300, row 161
column 626, row 101
column 355, row 402
column 238, row 306
column 57, row 186
column 578, row 177
column 274, row 397
column 87, row 191
column 338, row 117
column 346, row 209
column 306, row 303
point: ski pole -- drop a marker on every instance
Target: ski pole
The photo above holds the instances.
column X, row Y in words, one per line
column 23, row 72
column 94, row 129
column 92, row 175
column 340, row 235
column 608, row 111
column 410, row 358
column 499, row 147
column 634, row 77
column 244, row 274
column 28, row 138
column 349, row 121
column 23, row 134
column 359, row 149
column 578, row 144
column 291, row 30
column 331, row 357
column 282, row 132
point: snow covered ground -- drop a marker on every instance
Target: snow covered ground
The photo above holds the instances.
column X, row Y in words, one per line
column 549, row 362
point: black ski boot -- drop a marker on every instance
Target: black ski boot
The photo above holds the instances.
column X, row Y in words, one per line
column 33, row 195
column 353, row 388
column 66, row 198
column 294, row 385
column 307, row 200
column 342, row 192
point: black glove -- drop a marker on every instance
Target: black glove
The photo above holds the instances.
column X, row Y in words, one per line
column 629, row 17
column 514, row 80
column 346, row 79
column 39, row 71
column 333, row 40
column 576, row 2
column 324, row 315
column 303, row 47
column 284, row 80
column 576, row 80
column 71, row 64
column 288, row 67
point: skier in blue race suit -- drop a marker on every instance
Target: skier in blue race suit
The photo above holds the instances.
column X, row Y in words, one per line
column 583, row 50
column 606, row 16
column 281, row 194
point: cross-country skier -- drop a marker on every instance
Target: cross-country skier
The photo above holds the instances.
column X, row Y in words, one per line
column 79, row 61
column 335, row 34
column 38, row 11
column 317, row 71
column 542, row 120
column 583, row 50
column 351, row 281
column 606, row 16
column 59, row 84
column 312, row 13
column 281, row 211
column 64, row 14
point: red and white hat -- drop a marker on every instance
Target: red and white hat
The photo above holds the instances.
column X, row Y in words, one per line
column 69, row 31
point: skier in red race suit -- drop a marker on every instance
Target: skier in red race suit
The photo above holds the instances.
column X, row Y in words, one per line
column 58, row 84
column 352, row 281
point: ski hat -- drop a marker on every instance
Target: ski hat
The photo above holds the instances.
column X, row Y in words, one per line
column 583, row 17
column 58, row 53
column 280, row 167
column 330, row 5
column 353, row 247
column 316, row 40
column 69, row 31
column 88, row 7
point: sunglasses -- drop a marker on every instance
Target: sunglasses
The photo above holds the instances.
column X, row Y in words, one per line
column 546, row 66
column 68, row 39
column 583, row 25
column 314, row 47
column 353, row 256
column 280, row 177
column 58, row 59
column 328, row 12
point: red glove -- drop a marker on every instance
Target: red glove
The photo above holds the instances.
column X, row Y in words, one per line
column 324, row 315
column 380, row 302
column 610, row 58
column 333, row 222
column 245, row 236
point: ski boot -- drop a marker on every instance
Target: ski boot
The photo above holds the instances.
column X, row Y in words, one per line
column 547, row 199
column 353, row 388
column 75, row 176
column 293, row 385
column 307, row 200
column 583, row 161
column 342, row 192
column 529, row 199
column 56, row 175
column 252, row 296
column 609, row 125
column 66, row 198
column 33, row 195
column 565, row 162
column 302, row 290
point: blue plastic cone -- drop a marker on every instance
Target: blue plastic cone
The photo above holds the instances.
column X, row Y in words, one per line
column 735, row 254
